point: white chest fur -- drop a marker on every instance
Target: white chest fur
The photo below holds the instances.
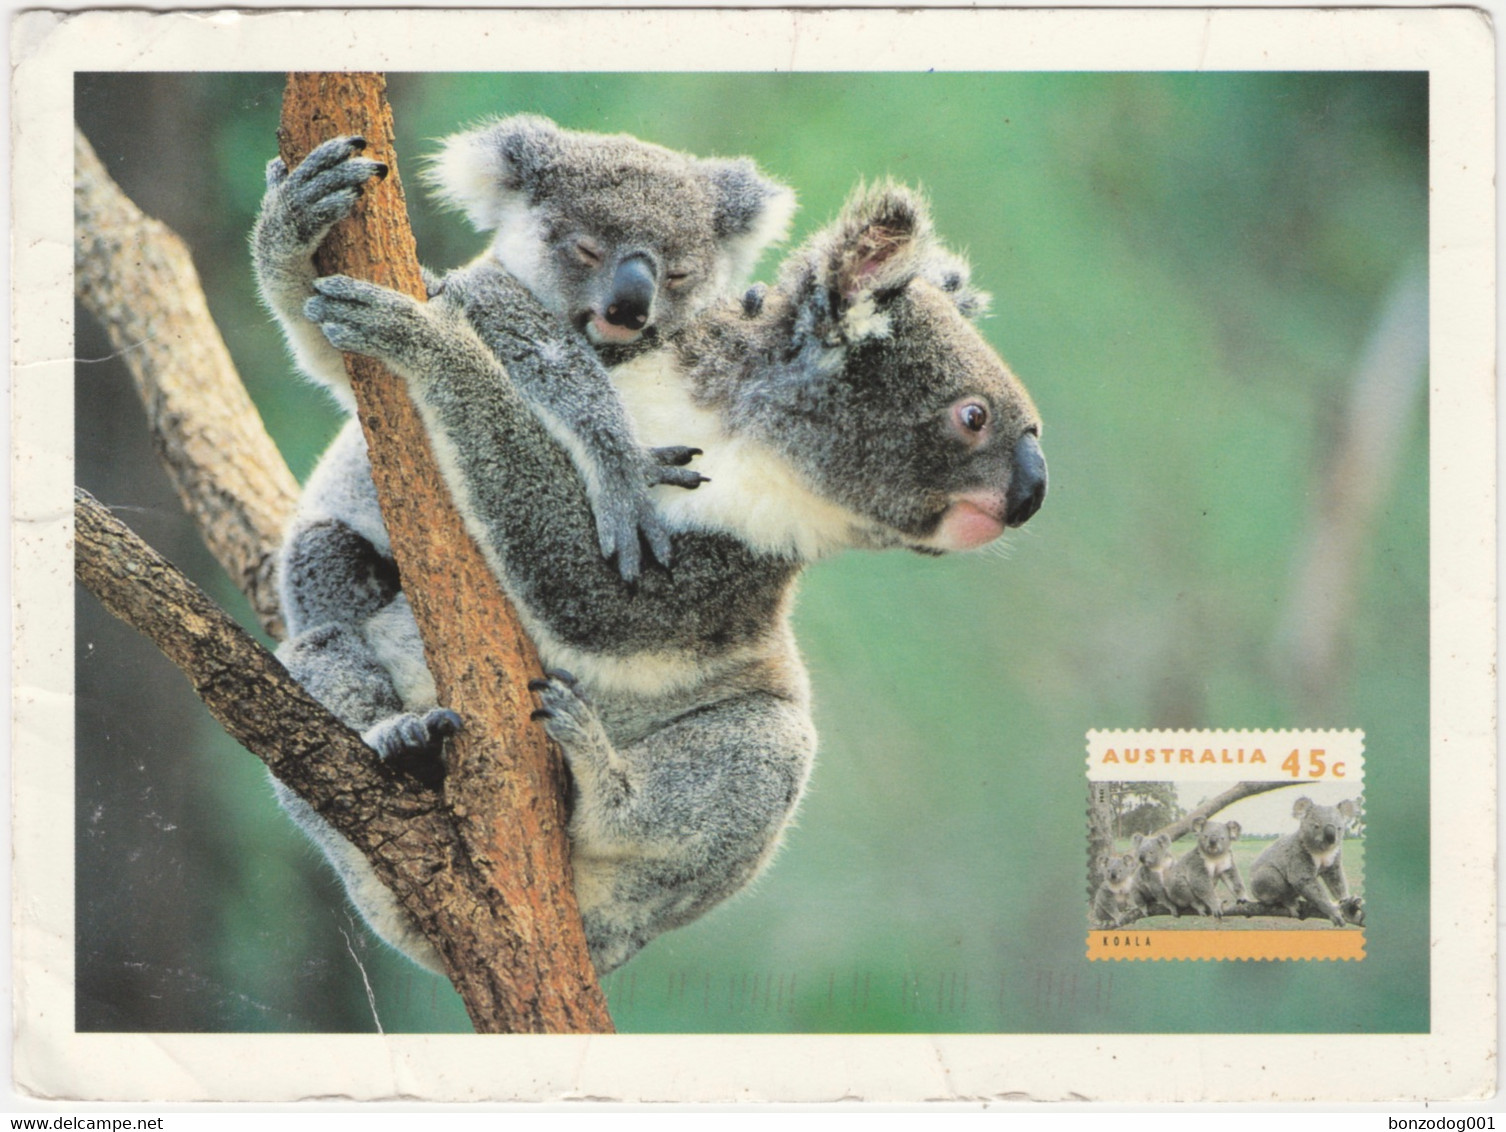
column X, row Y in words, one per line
column 1322, row 861
column 754, row 493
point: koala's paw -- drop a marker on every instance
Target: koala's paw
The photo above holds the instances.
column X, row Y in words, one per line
column 414, row 743
column 1352, row 911
column 567, row 716
column 301, row 206
column 667, row 466
column 626, row 520
column 363, row 318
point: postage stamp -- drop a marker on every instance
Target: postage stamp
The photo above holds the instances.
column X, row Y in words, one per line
column 1226, row 845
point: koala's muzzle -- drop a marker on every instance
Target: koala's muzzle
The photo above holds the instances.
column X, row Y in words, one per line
column 632, row 297
column 1027, row 481
column 1327, row 835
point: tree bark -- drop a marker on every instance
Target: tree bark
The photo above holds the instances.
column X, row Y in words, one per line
column 136, row 277
column 504, row 783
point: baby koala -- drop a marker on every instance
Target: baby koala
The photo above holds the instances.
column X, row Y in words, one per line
column 625, row 240
column 1288, row 872
column 1191, row 881
column 1116, row 898
column 1156, row 859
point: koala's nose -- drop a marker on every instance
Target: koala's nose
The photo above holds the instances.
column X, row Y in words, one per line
column 632, row 297
column 1027, row 481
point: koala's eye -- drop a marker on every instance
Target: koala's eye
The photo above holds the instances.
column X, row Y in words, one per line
column 676, row 278
column 586, row 252
column 970, row 416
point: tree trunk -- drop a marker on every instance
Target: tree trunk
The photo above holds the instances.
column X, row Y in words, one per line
column 504, row 783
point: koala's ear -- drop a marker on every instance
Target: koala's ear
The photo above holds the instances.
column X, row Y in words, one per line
column 1137, row 839
column 1233, row 830
column 1301, row 806
column 1198, row 823
column 490, row 170
column 749, row 211
column 1349, row 808
column 879, row 243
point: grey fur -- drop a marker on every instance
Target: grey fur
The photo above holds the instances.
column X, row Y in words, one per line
column 1289, row 871
column 687, row 724
column 1191, row 881
column 1156, row 859
column 1117, row 900
column 672, row 231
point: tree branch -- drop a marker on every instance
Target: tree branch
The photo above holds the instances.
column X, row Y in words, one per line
column 504, row 784
column 1218, row 802
column 402, row 828
column 136, row 277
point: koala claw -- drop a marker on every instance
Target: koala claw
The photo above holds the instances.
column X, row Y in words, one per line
column 363, row 318
column 304, row 203
column 567, row 718
column 676, row 454
column 624, row 522
column 413, row 734
column 668, row 467
column 682, row 477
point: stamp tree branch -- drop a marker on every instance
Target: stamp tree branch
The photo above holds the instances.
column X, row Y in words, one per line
column 487, row 872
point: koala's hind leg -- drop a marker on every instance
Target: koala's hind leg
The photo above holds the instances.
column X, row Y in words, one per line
column 340, row 668
column 335, row 664
column 331, row 574
column 665, row 827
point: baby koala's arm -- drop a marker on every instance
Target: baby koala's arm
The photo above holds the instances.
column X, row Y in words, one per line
column 500, row 463
column 577, row 403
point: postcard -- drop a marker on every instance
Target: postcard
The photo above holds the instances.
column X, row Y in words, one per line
column 1003, row 500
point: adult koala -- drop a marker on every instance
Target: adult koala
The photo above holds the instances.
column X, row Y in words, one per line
column 853, row 405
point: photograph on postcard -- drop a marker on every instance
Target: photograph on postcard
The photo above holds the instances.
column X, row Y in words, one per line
column 1136, row 361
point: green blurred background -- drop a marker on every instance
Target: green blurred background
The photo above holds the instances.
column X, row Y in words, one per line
column 1188, row 272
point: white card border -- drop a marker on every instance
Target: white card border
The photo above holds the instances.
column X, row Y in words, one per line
column 1456, row 1060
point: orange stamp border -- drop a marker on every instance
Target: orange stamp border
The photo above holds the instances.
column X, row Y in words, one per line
column 1255, row 782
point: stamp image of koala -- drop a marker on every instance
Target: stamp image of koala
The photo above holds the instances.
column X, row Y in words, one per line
column 1295, row 870
column 1118, row 895
column 1189, row 859
column 1192, row 884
